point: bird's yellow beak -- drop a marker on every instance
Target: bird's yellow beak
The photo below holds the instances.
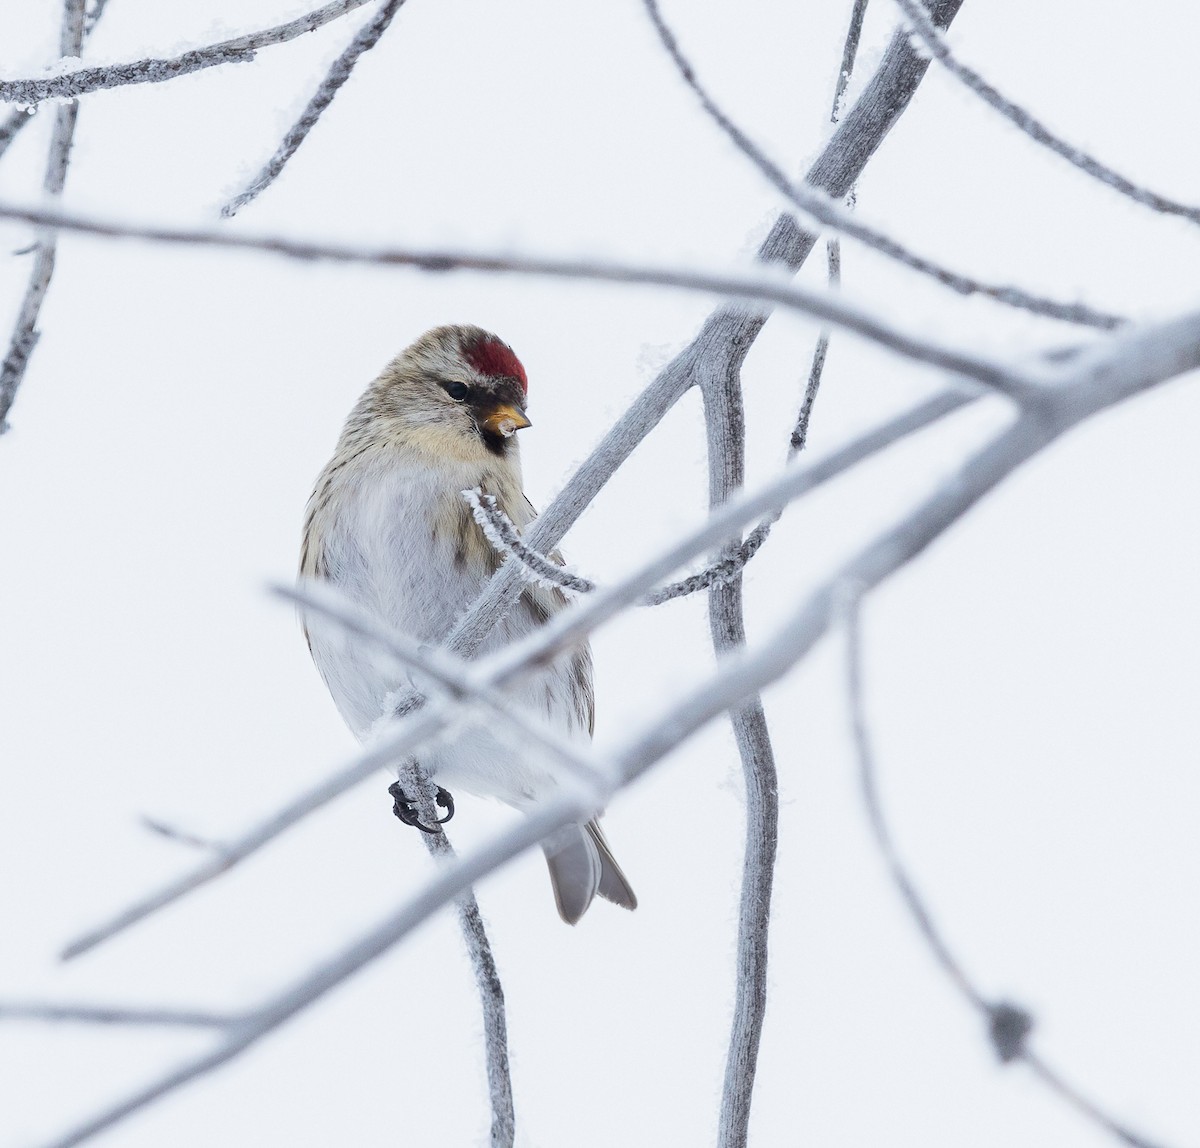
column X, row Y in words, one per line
column 504, row 419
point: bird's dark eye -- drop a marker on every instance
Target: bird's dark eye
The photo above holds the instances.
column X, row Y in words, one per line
column 457, row 391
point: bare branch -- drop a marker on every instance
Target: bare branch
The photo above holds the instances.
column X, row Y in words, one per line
column 1008, row 1025
column 449, row 883
column 25, row 334
column 823, row 209
column 93, row 17
column 116, row 1014
column 483, row 965
column 725, row 427
column 758, row 288
column 239, row 50
column 833, row 246
column 338, row 74
column 429, row 722
column 16, row 120
column 917, row 16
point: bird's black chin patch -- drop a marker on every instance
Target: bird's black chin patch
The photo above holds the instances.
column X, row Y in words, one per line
column 496, row 443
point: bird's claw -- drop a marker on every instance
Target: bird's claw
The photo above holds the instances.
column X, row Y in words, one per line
column 406, row 809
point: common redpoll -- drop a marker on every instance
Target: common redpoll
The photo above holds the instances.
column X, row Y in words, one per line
column 387, row 525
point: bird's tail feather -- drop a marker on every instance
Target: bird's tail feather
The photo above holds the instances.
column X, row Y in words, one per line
column 614, row 885
column 582, row 865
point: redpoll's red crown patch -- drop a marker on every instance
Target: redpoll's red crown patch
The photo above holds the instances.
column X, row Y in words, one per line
column 495, row 359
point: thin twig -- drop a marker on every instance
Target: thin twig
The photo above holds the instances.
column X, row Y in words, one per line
column 833, row 245
column 1008, row 1026
column 152, row 70
column 338, row 74
column 16, row 120
column 20, row 117
column 483, row 966
column 830, row 214
column 749, row 287
column 93, row 17
column 116, row 1014
column 25, row 334
column 918, row 17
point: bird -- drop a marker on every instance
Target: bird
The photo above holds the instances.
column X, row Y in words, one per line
column 387, row 525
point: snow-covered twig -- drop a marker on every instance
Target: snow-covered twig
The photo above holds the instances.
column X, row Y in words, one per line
column 829, row 214
column 338, row 74
column 1008, row 1025
column 25, row 334
column 240, row 49
column 18, row 118
column 917, row 16
column 502, row 533
column 487, row 984
column 427, row 723
column 831, row 307
column 833, row 245
column 13, row 123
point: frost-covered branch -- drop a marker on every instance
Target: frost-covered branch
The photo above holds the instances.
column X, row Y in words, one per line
column 1008, row 1025
column 917, row 16
column 749, row 287
column 489, row 987
column 239, row 50
column 366, row 39
column 833, row 245
column 12, row 125
column 832, row 215
column 19, row 118
column 725, row 427
column 502, row 533
column 25, row 334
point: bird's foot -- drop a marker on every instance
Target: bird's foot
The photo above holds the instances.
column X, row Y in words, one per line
column 406, row 809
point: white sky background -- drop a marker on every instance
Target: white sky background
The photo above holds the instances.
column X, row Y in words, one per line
column 1031, row 679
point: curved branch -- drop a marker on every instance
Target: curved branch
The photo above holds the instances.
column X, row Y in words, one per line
column 823, row 209
column 726, row 435
column 918, row 18
column 1008, row 1026
column 338, row 74
column 239, row 50
column 25, row 334
column 828, row 306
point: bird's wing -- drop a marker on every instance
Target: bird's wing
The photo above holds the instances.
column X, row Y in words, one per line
column 544, row 602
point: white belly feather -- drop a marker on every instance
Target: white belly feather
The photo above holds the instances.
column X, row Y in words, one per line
column 393, row 543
